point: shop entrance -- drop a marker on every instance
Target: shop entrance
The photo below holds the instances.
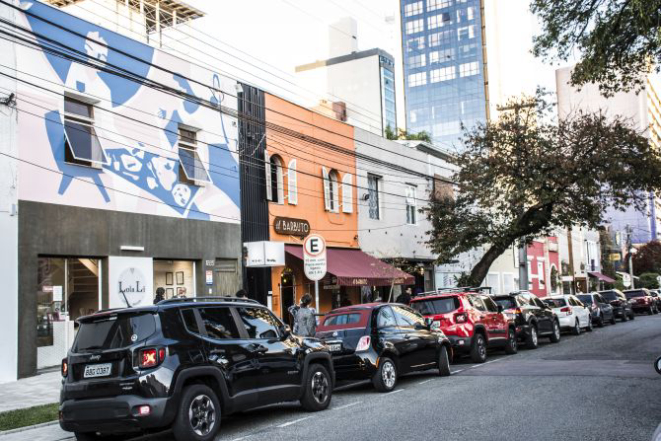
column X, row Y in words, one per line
column 68, row 288
column 177, row 277
column 287, row 293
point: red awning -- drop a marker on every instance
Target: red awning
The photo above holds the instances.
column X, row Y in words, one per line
column 355, row 268
column 600, row 276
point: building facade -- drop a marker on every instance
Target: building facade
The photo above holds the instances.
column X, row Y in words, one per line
column 126, row 182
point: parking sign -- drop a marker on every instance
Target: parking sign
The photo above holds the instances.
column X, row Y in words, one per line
column 314, row 257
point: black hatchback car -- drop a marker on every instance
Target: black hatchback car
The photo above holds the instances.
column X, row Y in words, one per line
column 381, row 342
column 621, row 305
column 601, row 310
column 182, row 364
column 532, row 317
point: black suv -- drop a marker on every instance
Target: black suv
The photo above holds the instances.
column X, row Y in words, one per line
column 621, row 305
column 532, row 317
column 182, row 364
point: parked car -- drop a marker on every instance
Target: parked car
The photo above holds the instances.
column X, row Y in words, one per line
column 532, row 317
column 621, row 305
column 600, row 308
column 182, row 364
column 472, row 321
column 572, row 314
column 382, row 342
column 641, row 301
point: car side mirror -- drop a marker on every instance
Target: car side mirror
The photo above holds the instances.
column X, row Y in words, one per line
column 285, row 331
column 429, row 321
column 500, row 308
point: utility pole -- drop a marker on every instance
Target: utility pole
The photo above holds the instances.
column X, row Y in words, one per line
column 630, row 252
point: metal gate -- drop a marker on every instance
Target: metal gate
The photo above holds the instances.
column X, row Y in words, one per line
column 227, row 278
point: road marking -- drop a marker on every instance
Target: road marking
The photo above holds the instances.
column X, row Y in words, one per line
column 293, row 422
column 347, row 405
column 458, row 370
column 426, row 381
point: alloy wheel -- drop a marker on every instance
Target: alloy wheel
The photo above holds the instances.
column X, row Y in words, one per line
column 202, row 415
column 513, row 342
column 481, row 347
column 533, row 335
column 556, row 330
column 389, row 374
column 320, row 387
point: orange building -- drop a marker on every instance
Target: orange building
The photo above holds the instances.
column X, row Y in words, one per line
column 311, row 188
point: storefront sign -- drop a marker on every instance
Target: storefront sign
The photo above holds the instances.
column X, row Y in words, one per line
column 314, row 257
column 291, row 227
column 333, row 287
column 209, row 275
column 57, row 293
column 264, row 254
column 131, row 281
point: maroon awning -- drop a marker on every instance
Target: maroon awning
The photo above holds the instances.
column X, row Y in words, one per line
column 600, row 276
column 355, row 268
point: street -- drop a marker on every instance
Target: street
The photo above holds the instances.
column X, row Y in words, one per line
column 596, row 386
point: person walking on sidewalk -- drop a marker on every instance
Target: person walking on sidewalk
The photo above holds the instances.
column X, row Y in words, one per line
column 305, row 321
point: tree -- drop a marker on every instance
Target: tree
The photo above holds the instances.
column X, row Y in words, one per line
column 522, row 177
column 607, row 266
column 648, row 280
column 618, row 40
column 648, row 258
column 390, row 133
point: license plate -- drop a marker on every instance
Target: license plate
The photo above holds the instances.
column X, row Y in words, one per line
column 335, row 347
column 97, row 370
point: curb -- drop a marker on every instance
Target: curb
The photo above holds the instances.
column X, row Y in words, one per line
column 23, row 429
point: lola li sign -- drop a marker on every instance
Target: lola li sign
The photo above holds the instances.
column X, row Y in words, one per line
column 314, row 257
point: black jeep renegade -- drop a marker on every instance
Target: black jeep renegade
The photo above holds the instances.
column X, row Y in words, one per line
column 182, row 364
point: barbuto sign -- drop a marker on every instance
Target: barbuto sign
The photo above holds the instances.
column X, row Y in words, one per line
column 314, row 257
column 131, row 281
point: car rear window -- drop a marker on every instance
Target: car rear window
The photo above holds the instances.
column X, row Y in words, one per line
column 635, row 293
column 435, row 306
column 506, row 302
column 609, row 295
column 585, row 299
column 114, row 331
column 345, row 320
column 555, row 303
column 342, row 319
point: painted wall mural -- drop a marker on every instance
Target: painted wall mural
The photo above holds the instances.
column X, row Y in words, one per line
column 137, row 124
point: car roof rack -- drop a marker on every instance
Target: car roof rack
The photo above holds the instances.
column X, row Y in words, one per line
column 207, row 299
column 459, row 289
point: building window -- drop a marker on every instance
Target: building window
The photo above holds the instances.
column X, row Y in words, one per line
column 275, row 188
column 443, row 38
column 414, row 26
column 82, row 146
column 347, row 193
column 441, row 56
column 292, row 183
column 417, row 61
column 388, row 104
column 411, row 207
column 442, row 74
column 415, row 44
column 466, row 33
column 191, row 170
column 540, row 273
column 433, row 5
column 440, row 20
column 331, row 190
column 418, row 79
column 413, row 9
column 373, row 184
column 469, row 69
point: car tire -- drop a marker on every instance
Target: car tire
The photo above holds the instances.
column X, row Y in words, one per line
column 625, row 317
column 317, row 389
column 577, row 328
column 444, row 362
column 532, row 339
column 479, row 349
column 590, row 327
column 190, row 424
column 601, row 321
column 555, row 336
column 632, row 316
column 511, row 347
column 385, row 378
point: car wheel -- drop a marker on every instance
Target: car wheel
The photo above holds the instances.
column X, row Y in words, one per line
column 317, row 389
column 385, row 378
column 625, row 316
column 532, row 340
column 198, row 417
column 601, row 321
column 479, row 349
column 632, row 316
column 589, row 328
column 555, row 336
column 444, row 363
column 577, row 328
column 511, row 347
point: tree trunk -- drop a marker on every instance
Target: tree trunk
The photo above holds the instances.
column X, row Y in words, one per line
column 481, row 269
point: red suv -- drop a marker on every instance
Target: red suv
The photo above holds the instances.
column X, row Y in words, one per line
column 472, row 321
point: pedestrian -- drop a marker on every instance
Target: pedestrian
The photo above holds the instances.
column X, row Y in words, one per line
column 160, row 295
column 305, row 321
column 242, row 294
column 405, row 297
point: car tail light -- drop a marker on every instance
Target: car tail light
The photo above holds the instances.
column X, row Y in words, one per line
column 144, row 410
column 363, row 343
column 517, row 311
column 566, row 309
column 65, row 368
column 151, row 357
column 461, row 317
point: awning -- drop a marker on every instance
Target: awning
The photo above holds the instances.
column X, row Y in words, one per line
column 355, row 268
column 600, row 276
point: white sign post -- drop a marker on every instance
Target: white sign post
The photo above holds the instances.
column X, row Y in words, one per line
column 314, row 262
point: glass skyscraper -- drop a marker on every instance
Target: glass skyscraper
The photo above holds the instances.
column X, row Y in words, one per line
column 443, row 68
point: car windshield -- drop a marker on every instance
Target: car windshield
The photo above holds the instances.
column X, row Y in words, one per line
column 556, row 303
column 585, row 299
column 609, row 295
column 114, row 331
column 636, row 293
column 506, row 302
column 436, row 306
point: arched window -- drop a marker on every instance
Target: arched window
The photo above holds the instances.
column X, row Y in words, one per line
column 275, row 190
column 292, row 183
column 331, row 190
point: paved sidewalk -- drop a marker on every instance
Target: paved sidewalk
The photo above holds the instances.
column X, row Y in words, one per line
column 33, row 391
column 50, row 432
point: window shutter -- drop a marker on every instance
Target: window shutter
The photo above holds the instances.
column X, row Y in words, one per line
column 267, row 176
column 327, row 201
column 347, row 193
column 292, row 181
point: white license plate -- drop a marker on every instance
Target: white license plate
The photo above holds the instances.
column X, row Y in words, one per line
column 335, row 347
column 97, row 370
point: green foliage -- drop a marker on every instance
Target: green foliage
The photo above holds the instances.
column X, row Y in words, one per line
column 390, row 133
column 648, row 258
column 618, row 40
column 607, row 266
column 14, row 419
column 420, row 136
column 648, row 280
column 521, row 176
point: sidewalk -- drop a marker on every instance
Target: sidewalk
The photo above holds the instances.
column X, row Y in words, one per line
column 33, row 391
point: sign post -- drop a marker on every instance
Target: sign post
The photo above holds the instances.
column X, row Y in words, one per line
column 314, row 262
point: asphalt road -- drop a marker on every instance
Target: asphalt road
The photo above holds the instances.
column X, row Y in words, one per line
column 596, row 386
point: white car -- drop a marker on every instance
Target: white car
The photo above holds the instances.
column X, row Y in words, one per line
column 572, row 313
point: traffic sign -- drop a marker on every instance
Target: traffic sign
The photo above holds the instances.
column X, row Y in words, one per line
column 314, row 257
